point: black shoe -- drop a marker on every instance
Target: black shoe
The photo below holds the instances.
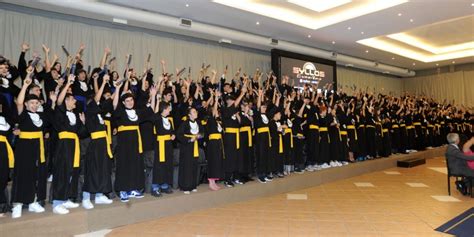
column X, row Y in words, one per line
column 168, row 190
column 156, row 193
column 280, row 175
column 262, row 180
column 249, row 179
column 229, row 184
column 237, row 181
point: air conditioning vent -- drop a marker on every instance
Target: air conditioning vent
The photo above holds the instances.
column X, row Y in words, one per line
column 185, row 22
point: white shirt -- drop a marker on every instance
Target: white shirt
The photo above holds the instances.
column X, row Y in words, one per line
column 166, row 123
column 132, row 115
column 194, row 127
column 72, row 118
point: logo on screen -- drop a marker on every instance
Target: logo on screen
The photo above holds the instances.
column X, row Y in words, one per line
column 308, row 72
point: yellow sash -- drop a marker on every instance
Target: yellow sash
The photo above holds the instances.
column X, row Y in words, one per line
column 312, row 126
column 35, row 135
column 247, row 129
column 290, row 131
column 215, row 136
column 196, row 146
column 161, row 145
column 237, row 135
column 77, row 151
column 103, row 134
column 124, row 128
column 11, row 157
column 109, row 131
column 280, row 143
column 325, row 129
column 267, row 130
column 353, row 128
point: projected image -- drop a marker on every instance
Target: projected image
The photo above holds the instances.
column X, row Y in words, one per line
column 301, row 72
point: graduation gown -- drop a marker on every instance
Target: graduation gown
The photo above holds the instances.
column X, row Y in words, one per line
column 324, row 140
column 231, row 136
column 188, row 154
column 98, row 161
column 262, row 143
column 129, row 164
column 66, row 161
column 245, row 160
column 163, row 163
column 30, row 171
column 214, row 149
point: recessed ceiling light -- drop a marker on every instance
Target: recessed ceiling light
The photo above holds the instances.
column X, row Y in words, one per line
column 472, row 4
column 257, row 23
column 349, row 28
column 414, row 64
column 309, row 36
column 437, row 64
column 187, row 5
column 399, row 14
column 362, row 33
column 411, row 20
column 334, row 42
column 393, row 58
column 454, row 62
column 367, row 51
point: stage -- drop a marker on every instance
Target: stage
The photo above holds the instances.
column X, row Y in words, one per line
column 81, row 221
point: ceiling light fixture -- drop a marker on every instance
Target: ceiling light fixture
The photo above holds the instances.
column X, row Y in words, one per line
column 319, row 5
column 362, row 33
column 349, row 28
column 367, row 51
column 284, row 13
column 414, row 64
column 187, row 5
column 257, row 23
column 454, row 62
column 399, row 14
column 334, row 42
column 393, row 58
column 309, row 36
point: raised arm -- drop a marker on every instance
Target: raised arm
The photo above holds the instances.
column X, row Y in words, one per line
column 47, row 63
column 21, row 96
column 116, row 95
column 98, row 94
column 62, row 95
column 104, row 57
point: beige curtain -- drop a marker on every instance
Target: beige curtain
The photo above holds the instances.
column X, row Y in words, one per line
column 18, row 27
column 382, row 84
column 455, row 86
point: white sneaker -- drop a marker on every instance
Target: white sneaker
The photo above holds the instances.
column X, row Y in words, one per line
column 338, row 163
column 309, row 168
column 87, row 204
column 16, row 211
column 345, row 163
column 325, row 166
column 332, row 164
column 103, row 200
column 194, row 190
column 50, row 178
column 317, row 167
column 35, row 207
column 70, row 205
column 61, row 210
column 187, row 192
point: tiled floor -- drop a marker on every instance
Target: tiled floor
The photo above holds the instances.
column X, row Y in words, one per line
column 388, row 208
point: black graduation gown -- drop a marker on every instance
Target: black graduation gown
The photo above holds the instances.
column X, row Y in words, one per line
column 344, row 146
column 395, row 134
column 370, row 136
column 312, row 135
column 65, row 175
column 232, row 153
column 163, row 167
column 29, row 173
column 129, row 174
column 245, row 161
column 214, row 150
column 98, row 163
column 262, row 143
column 188, row 162
column 277, row 149
column 419, row 131
column 361, row 137
column 352, row 134
column 386, row 140
column 334, row 140
column 288, row 141
column 5, row 133
column 324, row 145
column 411, row 133
column 298, row 141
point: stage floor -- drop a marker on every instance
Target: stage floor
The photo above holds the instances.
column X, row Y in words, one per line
column 331, row 189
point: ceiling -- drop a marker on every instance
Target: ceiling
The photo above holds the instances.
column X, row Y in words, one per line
column 429, row 28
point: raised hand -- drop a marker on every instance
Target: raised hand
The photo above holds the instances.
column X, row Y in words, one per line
column 53, row 97
column 71, row 78
column 45, row 48
column 82, row 117
column 25, row 47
